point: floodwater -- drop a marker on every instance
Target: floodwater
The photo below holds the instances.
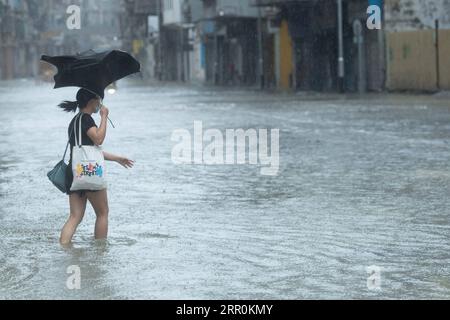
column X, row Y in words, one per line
column 363, row 181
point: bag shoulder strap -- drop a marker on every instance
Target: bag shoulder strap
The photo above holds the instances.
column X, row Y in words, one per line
column 78, row 142
column 65, row 152
column 68, row 142
column 80, row 139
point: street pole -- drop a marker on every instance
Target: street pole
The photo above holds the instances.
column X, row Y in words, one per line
column 188, row 55
column 260, row 51
column 181, row 55
column 382, row 59
column 341, row 70
column 359, row 41
column 438, row 75
column 159, row 62
column 216, row 56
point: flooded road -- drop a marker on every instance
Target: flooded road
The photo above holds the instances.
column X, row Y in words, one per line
column 362, row 182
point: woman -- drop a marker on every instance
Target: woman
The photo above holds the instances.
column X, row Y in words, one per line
column 88, row 103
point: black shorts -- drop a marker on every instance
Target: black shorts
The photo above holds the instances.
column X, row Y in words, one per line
column 69, row 180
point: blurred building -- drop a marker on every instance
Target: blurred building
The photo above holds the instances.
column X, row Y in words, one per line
column 410, row 52
column 308, row 47
column 100, row 28
column 30, row 28
column 321, row 45
column 140, row 33
column 181, row 43
column 418, row 44
column 286, row 44
column 229, row 32
column 212, row 41
column 19, row 40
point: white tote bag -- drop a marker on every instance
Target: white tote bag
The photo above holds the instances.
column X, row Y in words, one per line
column 88, row 164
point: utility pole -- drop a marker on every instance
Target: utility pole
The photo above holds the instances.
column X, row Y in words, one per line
column 216, row 55
column 359, row 41
column 438, row 67
column 260, row 50
column 181, row 58
column 7, row 45
column 159, row 62
column 341, row 61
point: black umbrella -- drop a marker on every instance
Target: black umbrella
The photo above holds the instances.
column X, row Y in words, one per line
column 92, row 70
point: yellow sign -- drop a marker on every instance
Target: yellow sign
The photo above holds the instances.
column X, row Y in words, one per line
column 137, row 46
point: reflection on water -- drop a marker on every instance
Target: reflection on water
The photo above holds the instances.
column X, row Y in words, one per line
column 361, row 183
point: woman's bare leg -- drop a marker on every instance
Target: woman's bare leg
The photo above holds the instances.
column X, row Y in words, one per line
column 77, row 209
column 99, row 201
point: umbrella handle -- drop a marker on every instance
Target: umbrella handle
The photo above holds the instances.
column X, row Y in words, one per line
column 111, row 123
column 108, row 117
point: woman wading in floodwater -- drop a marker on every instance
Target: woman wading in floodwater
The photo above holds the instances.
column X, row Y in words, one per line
column 88, row 103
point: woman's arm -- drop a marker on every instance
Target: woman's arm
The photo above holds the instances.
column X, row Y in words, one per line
column 109, row 156
column 126, row 163
column 98, row 135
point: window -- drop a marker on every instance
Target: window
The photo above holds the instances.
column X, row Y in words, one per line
column 168, row 5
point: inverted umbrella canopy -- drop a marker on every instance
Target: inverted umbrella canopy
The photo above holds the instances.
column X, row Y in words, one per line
column 92, row 70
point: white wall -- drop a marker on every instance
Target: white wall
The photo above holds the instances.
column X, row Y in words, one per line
column 150, row 65
column 407, row 15
column 198, row 73
column 239, row 8
column 172, row 12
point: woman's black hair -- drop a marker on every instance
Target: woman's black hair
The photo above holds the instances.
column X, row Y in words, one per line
column 83, row 97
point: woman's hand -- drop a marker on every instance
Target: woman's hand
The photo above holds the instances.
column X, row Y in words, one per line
column 126, row 163
column 104, row 111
